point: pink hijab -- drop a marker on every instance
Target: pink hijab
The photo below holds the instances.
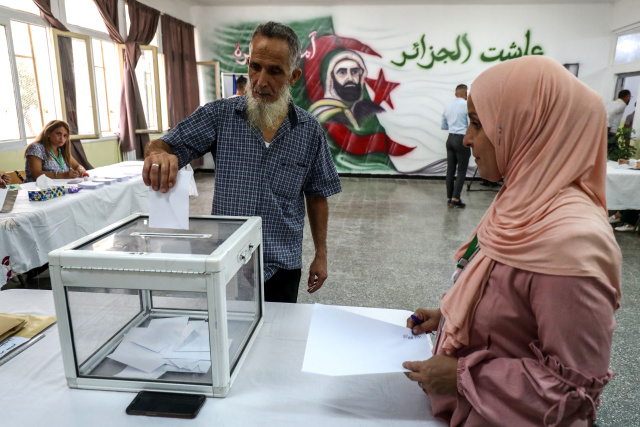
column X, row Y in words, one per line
column 550, row 216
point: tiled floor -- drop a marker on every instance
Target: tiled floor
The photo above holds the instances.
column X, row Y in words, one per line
column 391, row 243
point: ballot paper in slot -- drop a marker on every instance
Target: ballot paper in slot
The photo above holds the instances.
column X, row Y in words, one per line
column 171, row 209
column 175, row 309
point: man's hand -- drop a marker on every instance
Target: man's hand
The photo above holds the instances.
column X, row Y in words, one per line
column 317, row 273
column 429, row 320
column 438, row 375
column 160, row 170
column 318, row 212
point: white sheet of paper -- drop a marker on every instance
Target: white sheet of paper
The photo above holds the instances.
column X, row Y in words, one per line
column 155, row 339
column 3, row 195
column 130, row 372
column 11, row 343
column 171, row 209
column 137, row 356
column 345, row 343
column 197, row 338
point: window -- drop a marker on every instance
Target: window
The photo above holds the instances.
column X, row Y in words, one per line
column 149, row 85
column 34, row 75
column 84, row 13
column 21, row 5
column 163, row 92
column 73, row 52
column 627, row 48
column 107, row 73
column 9, row 129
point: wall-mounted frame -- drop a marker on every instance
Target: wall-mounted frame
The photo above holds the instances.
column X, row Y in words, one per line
column 208, row 81
column 76, row 83
column 227, row 83
column 572, row 68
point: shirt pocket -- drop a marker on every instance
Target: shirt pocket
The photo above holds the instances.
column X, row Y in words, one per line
column 288, row 178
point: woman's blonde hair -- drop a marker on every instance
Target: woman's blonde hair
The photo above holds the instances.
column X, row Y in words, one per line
column 43, row 139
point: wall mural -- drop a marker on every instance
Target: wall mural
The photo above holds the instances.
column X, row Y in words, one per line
column 338, row 87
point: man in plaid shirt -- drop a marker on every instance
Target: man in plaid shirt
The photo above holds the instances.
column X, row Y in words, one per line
column 269, row 155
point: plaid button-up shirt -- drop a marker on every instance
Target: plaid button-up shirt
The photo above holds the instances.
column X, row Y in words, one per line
column 253, row 180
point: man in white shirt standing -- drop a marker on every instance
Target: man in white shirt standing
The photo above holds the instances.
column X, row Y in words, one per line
column 615, row 110
column 456, row 121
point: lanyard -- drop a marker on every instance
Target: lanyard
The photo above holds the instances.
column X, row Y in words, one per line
column 59, row 158
column 471, row 250
column 462, row 263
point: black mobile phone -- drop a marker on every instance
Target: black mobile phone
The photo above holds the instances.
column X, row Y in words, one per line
column 172, row 405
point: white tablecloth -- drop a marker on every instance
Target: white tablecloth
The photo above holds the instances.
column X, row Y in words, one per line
column 33, row 229
column 623, row 187
column 270, row 389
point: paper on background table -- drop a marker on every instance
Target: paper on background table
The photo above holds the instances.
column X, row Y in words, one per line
column 171, row 209
column 345, row 343
column 3, row 195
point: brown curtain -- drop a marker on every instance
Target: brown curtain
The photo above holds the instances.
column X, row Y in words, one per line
column 68, row 81
column 45, row 7
column 66, row 66
column 109, row 11
column 179, row 48
column 144, row 22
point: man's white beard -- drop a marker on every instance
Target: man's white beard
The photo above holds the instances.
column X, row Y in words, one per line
column 265, row 115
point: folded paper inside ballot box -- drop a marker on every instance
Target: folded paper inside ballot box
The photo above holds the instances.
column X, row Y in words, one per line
column 40, row 194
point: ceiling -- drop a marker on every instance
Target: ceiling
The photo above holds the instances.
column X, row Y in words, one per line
column 378, row 2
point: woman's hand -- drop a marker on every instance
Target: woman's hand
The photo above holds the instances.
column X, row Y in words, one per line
column 437, row 375
column 72, row 173
column 5, row 180
column 429, row 321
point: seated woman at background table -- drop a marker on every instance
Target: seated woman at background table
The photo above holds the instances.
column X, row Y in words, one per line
column 50, row 154
column 526, row 330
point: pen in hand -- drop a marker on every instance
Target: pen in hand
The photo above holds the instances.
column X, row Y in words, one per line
column 416, row 320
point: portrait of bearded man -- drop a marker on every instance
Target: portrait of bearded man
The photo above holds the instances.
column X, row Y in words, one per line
column 345, row 100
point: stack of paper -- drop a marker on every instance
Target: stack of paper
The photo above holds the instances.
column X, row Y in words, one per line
column 106, row 181
column 16, row 330
column 166, row 345
column 119, row 178
column 91, row 185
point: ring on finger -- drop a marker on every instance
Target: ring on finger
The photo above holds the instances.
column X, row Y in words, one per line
column 155, row 164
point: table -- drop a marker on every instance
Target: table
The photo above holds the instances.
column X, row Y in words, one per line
column 32, row 229
column 623, row 187
column 270, row 389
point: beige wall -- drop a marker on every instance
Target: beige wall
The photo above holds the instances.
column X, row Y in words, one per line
column 99, row 153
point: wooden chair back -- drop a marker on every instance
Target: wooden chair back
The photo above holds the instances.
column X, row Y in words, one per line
column 17, row 177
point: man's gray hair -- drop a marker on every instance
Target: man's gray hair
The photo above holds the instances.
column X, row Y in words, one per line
column 276, row 30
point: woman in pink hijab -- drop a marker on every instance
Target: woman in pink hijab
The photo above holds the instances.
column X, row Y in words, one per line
column 525, row 332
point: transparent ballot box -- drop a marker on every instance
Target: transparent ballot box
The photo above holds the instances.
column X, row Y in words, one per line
column 142, row 308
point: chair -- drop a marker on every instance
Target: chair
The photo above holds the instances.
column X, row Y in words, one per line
column 17, row 177
column 494, row 187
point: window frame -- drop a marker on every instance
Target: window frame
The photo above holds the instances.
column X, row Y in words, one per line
column 156, row 75
column 98, row 35
column 92, row 86
column 21, row 143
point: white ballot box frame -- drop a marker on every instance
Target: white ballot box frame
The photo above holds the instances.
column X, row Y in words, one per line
column 72, row 267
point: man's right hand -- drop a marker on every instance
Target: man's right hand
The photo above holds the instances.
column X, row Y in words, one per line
column 430, row 319
column 160, row 169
